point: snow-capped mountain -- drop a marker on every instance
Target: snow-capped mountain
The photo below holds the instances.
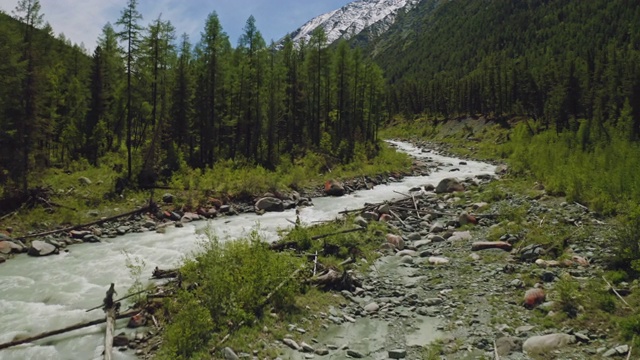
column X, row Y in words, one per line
column 351, row 19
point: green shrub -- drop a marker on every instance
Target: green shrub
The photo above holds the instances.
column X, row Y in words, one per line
column 229, row 283
column 569, row 297
column 626, row 244
column 189, row 331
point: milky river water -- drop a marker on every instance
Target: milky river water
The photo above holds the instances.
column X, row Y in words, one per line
column 43, row 294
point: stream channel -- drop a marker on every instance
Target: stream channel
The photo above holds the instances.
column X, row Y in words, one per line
column 43, row 294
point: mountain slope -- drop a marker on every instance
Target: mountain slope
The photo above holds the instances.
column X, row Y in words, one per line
column 374, row 15
column 557, row 60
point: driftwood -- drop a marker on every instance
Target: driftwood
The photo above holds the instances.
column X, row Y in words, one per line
column 63, row 330
column 333, row 279
column 110, row 309
column 617, row 294
column 164, row 274
column 76, row 227
column 122, row 298
column 397, row 217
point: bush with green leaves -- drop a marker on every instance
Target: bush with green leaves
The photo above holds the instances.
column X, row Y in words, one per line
column 626, row 244
column 224, row 285
column 568, row 293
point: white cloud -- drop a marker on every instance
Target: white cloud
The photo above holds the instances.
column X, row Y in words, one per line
column 82, row 21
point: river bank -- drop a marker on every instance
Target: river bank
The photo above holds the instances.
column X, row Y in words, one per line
column 170, row 210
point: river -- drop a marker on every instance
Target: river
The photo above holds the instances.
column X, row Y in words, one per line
column 43, row 294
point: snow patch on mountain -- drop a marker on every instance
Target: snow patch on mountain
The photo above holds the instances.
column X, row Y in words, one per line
column 354, row 17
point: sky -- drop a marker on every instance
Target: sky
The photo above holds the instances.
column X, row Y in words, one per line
column 81, row 21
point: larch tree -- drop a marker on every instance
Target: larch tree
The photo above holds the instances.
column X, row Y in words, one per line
column 130, row 35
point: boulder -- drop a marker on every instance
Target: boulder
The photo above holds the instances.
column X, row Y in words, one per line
column 360, row 221
column 215, row 203
column 370, row 215
column 229, row 354
column 83, row 180
column 384, row 209
column 209, row 212
column 397, row 354
column 483, row 245
column 533, row 298
column 120, row 340
column 137, row 320
column 334, row 188
column 41, row 248
column 7, row 247
column 189, row 216
column 372, row 307
column 531, row 252
column 465, row 219
column 396, row 241
column 544, row 344
column 580, row 260
column 508, row 344
column 449, row 185
column 437, row 260
column 168, row 198
column 269, row 204
column 292, row 344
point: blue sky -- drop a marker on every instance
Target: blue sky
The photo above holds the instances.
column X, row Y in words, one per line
column 82, row 20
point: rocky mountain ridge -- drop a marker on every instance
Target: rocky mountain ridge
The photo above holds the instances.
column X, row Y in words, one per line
column 376, row 16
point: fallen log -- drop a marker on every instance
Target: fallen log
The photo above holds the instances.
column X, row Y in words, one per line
column 483, row 245
column 97, row 222
column 64, row 330
column 110, row 317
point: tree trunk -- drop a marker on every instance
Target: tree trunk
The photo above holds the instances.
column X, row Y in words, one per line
column 108, row 337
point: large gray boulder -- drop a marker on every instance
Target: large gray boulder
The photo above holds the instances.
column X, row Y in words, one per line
column 41, row 248
column 449, row 185
column 269, row 204
column 544, row 344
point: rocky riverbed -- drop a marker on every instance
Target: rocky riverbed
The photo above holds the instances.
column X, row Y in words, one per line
column 466, row 282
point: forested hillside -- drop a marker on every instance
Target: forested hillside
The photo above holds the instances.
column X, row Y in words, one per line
column 553, row 60
column 166, row 103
